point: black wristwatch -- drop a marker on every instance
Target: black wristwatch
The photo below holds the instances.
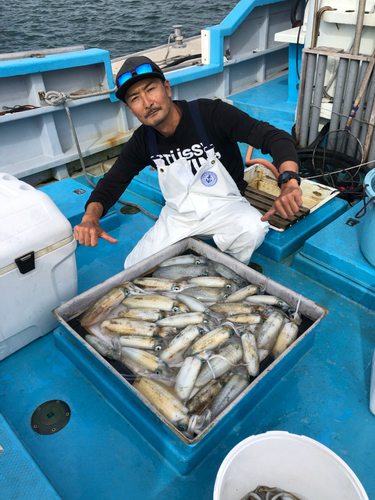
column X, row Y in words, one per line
column 286, row 176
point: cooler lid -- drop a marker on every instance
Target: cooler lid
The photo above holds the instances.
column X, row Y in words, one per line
column 29, row 221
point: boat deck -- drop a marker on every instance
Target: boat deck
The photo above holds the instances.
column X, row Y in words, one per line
column 99, row 454
column 322, row 394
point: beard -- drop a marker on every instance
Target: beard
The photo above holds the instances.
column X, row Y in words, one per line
column 157, row 120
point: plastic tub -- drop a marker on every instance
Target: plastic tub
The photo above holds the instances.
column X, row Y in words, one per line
column 297, row 464
column 368, row 230
column 180, row 451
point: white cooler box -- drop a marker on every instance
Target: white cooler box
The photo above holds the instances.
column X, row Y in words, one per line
column 38, row 269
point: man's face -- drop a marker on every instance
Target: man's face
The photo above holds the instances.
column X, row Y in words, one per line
column 150, row 101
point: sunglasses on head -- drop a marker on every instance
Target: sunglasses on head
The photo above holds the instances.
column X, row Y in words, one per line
column 140, row 70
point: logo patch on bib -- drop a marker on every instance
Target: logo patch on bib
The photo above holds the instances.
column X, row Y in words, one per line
column 209, row 179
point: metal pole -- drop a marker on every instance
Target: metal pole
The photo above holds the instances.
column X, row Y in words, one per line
column 318, row 94
column 301, row 95
column 314, row 29
column 359, row 101
column 337, row 102
column 369, row 104
column 310, row 73
column 356, row 124
column 358, row 31
column 348, row 102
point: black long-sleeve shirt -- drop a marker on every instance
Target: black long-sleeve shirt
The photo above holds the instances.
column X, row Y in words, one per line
column 225, row 126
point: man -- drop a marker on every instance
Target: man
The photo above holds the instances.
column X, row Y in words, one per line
column 200, row 168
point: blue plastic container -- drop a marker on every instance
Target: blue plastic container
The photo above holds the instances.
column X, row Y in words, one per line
column 368, row 231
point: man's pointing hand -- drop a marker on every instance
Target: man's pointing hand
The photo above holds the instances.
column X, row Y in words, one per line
column 288, row 203
column 88, row 232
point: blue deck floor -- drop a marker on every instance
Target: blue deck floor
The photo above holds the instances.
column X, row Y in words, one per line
column 99, row 455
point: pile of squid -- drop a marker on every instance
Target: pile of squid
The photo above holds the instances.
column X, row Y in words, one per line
column 193, row 334
column 266, row 493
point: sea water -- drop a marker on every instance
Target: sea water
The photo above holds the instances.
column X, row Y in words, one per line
column 119, row 26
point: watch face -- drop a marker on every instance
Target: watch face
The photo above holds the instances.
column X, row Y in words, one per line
column 284, row 176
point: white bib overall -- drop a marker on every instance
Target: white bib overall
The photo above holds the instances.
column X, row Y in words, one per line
column 206, row 204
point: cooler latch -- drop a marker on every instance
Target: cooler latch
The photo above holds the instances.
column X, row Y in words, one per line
column 26, row 263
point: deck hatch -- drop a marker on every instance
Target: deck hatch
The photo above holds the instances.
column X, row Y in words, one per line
column 50, row 417
column 129, row 210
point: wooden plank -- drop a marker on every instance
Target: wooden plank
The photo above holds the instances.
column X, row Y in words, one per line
column 259, row 205
column 261, row 201
column 261, row 194
column 250, row 191
column 276, row 220
column 332, row 52
column 264, row 209
column 280, row 224
column 264, row 201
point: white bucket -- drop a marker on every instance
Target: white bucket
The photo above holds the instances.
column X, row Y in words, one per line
column 296, row 464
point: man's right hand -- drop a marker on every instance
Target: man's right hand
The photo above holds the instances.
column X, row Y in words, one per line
column 88, row 232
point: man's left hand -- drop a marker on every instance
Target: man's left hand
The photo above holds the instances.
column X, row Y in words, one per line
column 288, row 203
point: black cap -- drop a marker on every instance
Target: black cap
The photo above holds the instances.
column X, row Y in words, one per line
column 130, row 66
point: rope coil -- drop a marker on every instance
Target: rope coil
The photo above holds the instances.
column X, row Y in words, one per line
column 54, row 98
